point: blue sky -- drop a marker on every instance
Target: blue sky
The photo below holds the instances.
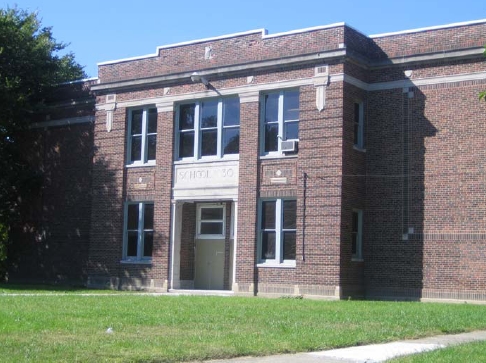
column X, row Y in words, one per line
column 103, row 30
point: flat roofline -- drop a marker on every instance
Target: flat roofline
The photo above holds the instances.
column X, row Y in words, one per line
column 262, row 31
column 436, row 27
column 265, row 35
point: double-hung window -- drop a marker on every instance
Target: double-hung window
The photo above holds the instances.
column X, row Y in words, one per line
column 208, row 129
column 278, row 219
column 142, row 136
column 211, row 221
column 280, row 121
column 358, row 131
column 357, row 234
column 139, row 231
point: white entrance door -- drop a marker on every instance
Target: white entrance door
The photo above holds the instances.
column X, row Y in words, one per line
column 209, row 271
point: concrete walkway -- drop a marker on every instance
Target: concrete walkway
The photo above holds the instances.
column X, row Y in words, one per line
column 367, row 353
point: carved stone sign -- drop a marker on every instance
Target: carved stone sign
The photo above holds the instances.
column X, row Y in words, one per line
column 214, row 180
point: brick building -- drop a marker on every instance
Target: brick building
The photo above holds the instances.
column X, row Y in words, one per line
column 317, row 162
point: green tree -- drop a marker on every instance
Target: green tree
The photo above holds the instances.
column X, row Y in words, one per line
column 31, row 67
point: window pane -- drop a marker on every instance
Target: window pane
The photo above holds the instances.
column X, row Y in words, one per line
column 186, row 144
column 231, row 112
column 209, row 114
column 291, row 130
column 209, row 143
column 268, row 214
column 354, row 243
column 356, row 113
column 132, row 219
column 291, row 105
column 151, row 147
column 268, row 245
column 152, row 121
column 186, row 117
column 211, row 227
column 148, row 217
column 148, row 243
column 136, row 127
column 271, row 140
column 211, row 214
column 289, row 245
column 231, row 141
column 271, row 107
column 132, row 242
column 136, row 151
column 289, row 214
column 354, row 225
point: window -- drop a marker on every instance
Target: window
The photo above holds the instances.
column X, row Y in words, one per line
column 208, row 129
column 278, row 219
column 139, row 231
column 142, row 136
column 357, row 234
column 211, row 221
column 358, row 134
column 280, row 120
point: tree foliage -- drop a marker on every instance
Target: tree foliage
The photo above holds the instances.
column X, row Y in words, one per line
column 31, row 66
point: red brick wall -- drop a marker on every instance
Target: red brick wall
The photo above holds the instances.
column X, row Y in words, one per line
column 51, row 244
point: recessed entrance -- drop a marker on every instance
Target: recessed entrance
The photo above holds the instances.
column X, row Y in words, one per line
column 203, row 245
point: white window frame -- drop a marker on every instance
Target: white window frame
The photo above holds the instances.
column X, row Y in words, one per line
column 144, row 146
column 140, row 233
column 359, row 143
column 200, row 207
column 358, row 256
column 198, row 130
column 279, row 230
column 281, row 123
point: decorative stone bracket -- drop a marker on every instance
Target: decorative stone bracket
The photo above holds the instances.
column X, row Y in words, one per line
column 109, row 107
column 321, row 81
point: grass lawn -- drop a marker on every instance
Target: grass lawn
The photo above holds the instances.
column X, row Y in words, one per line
column 471, row 353
column 70, row 327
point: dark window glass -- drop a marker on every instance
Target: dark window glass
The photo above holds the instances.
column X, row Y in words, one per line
column 186, row 117
column 132, row 219
column 289, row 214
column 136, row 152
column 289, row 245
column 271, row 107
column 268, row 245
column 209, row 114
column 186, row 144
column 152, row 121
column 148, row 217
column 211, row 228
column 291, row 130
column 268, row 214
column 151, row 147
column 148, row 243
column 132, row 243
column 291, row 105
column 211, row 214
column 231, row 141
column 231, row 112
column 209, row 142
column 271, row 139
column 136, row 128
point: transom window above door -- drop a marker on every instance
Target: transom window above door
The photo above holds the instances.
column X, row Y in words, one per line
column 211, row 221
column 208, row 129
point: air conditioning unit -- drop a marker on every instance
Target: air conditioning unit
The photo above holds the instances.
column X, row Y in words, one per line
column 288, row 146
